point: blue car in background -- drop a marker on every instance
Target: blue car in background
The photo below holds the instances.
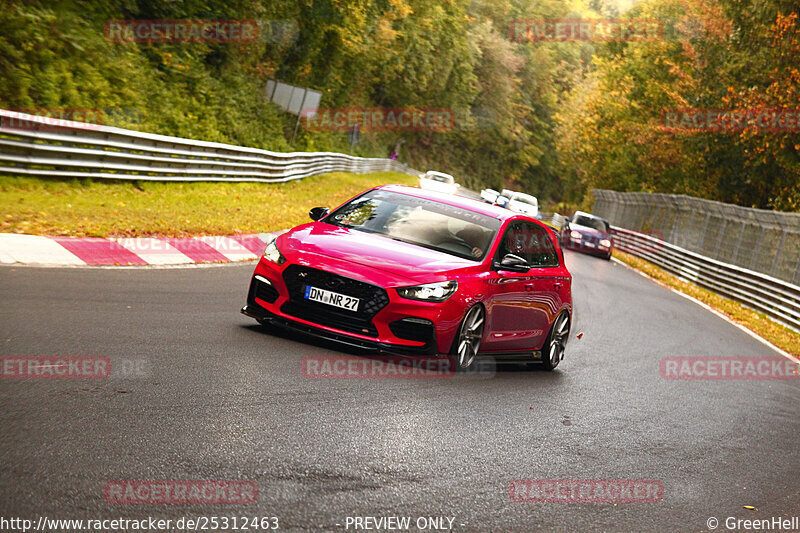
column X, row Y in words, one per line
column 587, row 233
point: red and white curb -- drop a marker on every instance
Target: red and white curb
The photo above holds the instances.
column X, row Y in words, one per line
column 39, row 250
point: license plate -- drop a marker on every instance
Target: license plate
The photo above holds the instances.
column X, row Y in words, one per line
column 589, row 244
column 331, row 298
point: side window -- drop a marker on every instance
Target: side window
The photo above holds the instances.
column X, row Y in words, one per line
column 531, row 242
column 508, row 244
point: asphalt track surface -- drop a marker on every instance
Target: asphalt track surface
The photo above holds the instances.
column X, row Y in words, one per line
column 221, row 399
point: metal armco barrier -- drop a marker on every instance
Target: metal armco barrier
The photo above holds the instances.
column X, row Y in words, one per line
column 42, row 146
column 775, row 298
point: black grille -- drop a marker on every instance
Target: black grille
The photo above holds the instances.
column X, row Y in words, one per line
column 413, row 330
column 372, row 299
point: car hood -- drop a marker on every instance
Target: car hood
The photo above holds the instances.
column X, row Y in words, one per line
column 399, row 261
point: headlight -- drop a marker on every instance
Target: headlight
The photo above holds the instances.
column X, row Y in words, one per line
column 575, row 234
column 430, row 292
column 605, row 243
column 272, row 253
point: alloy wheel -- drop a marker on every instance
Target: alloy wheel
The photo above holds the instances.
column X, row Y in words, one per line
column 558, row 341
column 469, row 337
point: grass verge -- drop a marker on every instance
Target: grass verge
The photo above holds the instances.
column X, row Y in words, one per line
column 781, row 336
column 104, row 208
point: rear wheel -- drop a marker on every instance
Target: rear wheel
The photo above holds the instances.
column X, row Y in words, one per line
column 553, row 351
column 468, row 340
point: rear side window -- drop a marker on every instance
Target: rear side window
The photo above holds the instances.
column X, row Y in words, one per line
column 531, row 242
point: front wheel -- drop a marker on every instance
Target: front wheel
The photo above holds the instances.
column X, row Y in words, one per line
column 554, row 346
column 468, row 340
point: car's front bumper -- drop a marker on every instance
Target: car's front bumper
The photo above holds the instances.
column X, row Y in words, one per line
column 587, row 247
column 265, row 317
column 399, row 326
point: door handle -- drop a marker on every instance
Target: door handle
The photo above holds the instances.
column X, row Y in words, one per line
column 557, row 286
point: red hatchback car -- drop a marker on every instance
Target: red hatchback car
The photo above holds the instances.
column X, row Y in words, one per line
column 406, row 271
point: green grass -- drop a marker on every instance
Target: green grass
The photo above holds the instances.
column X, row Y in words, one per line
column 103, row 208
column 781, row 336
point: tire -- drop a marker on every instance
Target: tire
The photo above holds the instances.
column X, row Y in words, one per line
column 553, row 349
column 468, row 339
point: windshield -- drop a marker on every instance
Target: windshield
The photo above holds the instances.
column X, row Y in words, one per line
column 590, row 222
column 419, row 221
column 525, row 200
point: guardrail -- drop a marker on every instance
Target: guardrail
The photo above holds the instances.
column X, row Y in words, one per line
column 775, row 298
column 42, row 146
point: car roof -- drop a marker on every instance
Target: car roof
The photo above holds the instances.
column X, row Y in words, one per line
column 463, row 202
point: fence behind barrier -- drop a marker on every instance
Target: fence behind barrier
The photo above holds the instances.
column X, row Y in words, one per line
column 754, row 239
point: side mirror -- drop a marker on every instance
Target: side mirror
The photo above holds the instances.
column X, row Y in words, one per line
column 567, row 220
column 512, row 263
column 318, row 212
